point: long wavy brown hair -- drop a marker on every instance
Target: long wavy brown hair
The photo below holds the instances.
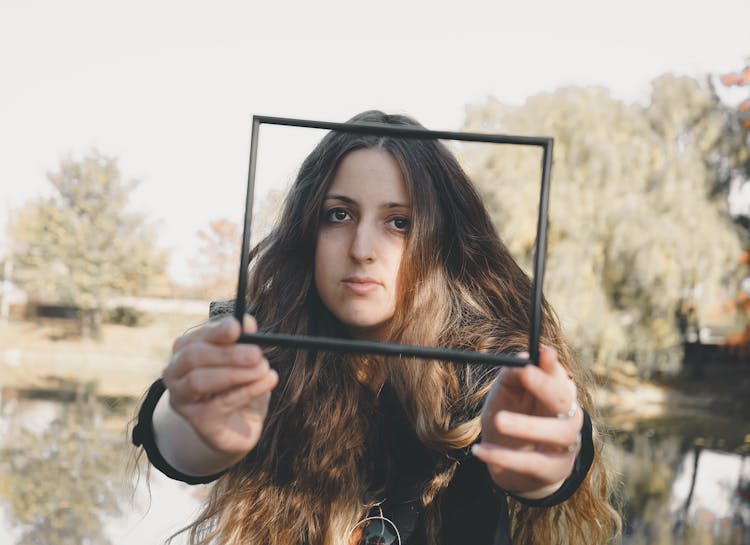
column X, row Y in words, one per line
column 306, row 479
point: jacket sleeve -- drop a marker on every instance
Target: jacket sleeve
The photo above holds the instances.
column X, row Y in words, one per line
column 143, row 432
column 143, row 435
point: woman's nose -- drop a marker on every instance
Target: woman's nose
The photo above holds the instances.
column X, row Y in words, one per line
column 364, row 243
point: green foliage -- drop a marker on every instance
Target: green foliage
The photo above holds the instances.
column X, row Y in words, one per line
column 60, row 484
column 127, row 316
column 81, row 246
column 635, row 219
column 737, row 167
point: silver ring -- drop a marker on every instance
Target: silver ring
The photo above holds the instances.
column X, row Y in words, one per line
column 573, row 447
column 571, row 412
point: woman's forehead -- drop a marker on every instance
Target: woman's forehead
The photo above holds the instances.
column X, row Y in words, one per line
column 371, row 174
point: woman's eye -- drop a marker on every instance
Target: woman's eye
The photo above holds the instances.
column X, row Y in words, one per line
column 400, row 224
column 336, row 215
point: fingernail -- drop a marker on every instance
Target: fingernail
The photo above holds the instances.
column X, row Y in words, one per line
column 476, row 449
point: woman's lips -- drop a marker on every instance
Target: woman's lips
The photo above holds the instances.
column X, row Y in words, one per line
column 361, row 285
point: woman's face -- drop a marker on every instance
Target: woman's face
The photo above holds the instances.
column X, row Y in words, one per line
column 365, row 221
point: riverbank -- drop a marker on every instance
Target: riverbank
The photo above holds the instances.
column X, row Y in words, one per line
column 628, row 403
column 46, row 355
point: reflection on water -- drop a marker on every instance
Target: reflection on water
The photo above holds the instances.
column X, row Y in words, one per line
column 685, row 480
column 722, row 505
column 65, row 479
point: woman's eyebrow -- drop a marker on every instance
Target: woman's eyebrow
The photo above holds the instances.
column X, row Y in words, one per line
column 343, row 198
column 349, row 200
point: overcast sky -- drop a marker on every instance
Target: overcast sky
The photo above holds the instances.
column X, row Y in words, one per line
column 169, row 87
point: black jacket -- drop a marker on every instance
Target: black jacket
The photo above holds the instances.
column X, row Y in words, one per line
column 473, row 509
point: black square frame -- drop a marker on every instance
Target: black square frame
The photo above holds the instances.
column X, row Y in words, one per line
column 390, row 349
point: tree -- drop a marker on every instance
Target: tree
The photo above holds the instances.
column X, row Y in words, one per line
column 735, row 157
column 81, row 245
column 737, row 178
column 218, row 259
column 740, row 79
column 634, row 216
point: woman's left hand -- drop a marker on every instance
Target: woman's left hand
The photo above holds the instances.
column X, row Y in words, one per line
column 531, row 424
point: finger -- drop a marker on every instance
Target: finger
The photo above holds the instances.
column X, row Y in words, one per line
column 506, row 387
column 209, row 381
column 544, row 467
column 201, row 354
column 550, row 363
column 226, row 330
column 223, row 331
column 249, row 324
column 238, row 398
column 553, row 432
column 508, row 378
column 556, row 393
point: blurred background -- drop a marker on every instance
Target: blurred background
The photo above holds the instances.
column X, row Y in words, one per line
column 124, row 141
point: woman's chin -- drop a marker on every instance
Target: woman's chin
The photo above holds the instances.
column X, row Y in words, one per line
column 367, row 330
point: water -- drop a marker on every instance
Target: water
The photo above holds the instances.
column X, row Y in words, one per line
column 151, row 520
column 685, row 478
column 148, row 510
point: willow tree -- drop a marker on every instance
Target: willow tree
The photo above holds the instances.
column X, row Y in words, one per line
column 736, row 170
column 81, row 245
column 635, row 221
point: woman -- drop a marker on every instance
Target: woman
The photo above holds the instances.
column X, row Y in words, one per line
column 384, row 239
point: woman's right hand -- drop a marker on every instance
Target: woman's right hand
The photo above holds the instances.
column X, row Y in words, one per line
column 221, row 388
